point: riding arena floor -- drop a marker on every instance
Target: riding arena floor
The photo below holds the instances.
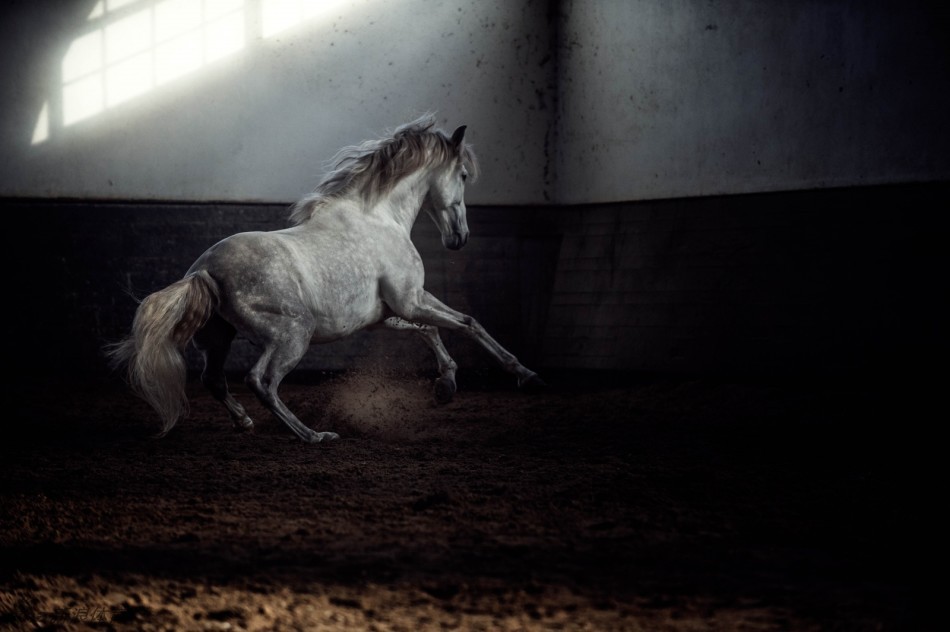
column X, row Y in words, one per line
column 604, row 502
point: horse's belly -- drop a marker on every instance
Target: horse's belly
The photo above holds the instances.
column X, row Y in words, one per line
column 333, row 324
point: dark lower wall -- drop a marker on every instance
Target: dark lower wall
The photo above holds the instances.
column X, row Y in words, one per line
column 80, row 267
column 826, row 282
column 829, row 282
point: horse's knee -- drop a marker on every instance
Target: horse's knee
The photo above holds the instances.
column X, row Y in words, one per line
column 429, row 333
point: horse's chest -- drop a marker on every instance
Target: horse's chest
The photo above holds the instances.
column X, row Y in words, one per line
column 345, row 283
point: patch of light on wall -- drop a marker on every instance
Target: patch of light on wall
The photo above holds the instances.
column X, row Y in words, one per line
column 132, row 47
column 41, row 130
column 128, row 48
column 279, row 15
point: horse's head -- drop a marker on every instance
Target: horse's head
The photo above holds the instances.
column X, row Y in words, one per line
column 445, row 202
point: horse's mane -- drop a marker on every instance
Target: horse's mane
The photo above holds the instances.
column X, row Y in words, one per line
column 373, row 167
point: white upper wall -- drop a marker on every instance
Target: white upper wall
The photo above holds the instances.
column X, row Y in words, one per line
column 670, row 98
column 615, row 100
column 246, row 100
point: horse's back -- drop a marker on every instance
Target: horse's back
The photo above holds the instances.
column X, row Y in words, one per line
column 320, row 275
column 260, row 267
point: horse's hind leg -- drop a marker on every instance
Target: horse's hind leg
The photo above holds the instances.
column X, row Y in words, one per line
column 445, row 384
column 279, row 358
column 214, row 341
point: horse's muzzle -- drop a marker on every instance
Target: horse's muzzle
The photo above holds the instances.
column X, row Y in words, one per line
column 455, row 241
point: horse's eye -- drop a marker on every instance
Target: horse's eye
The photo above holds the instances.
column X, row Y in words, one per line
column 464, row 176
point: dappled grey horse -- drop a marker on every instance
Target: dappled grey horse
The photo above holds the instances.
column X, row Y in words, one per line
column 345, row 264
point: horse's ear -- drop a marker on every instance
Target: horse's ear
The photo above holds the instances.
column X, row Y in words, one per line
column 457, row 136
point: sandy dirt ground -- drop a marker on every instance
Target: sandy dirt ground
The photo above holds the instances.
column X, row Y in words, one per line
column 607, row 502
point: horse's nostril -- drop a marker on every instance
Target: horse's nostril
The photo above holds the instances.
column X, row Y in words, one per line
column 454, row 241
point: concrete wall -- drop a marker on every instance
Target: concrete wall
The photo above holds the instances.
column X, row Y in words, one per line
column 91, row 107
column 685, row 98
column 568, row 101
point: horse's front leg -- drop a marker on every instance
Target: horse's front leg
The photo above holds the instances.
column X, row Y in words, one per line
column 431, row 311
column 445, row 384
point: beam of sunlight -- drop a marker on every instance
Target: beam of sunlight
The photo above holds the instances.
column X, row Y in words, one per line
column 83, row 57
column 131, row 47
column 115, row 5
column 128, row 48
column 224, row 36
column 178, row 56
column 82, row 99
column 279, row 15
column 41, row 130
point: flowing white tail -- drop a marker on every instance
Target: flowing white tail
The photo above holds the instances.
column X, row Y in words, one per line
column 153, row 353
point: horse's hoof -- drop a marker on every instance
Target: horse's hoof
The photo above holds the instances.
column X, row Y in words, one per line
column 244, row 424
column 444, row 390
column 318, row 437
column 532, row 383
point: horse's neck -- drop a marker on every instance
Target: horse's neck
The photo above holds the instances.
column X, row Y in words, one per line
column 404, row 201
